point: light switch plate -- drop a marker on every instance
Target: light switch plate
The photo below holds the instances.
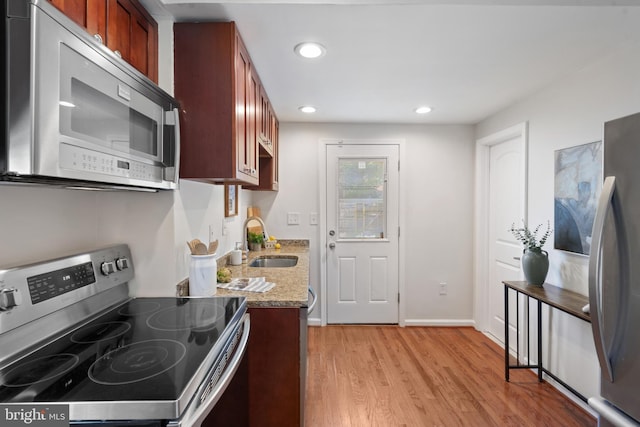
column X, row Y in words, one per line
column 293, row 218
column 313, row 218
column 443, row 288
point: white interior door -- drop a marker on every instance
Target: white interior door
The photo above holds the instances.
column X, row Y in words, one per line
column 506, row 193
column 362, row 233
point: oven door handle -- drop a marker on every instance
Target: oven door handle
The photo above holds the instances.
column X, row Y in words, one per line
column 196, row 419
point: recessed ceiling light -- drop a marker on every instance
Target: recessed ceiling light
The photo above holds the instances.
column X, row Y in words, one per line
column 422, row 110
column 310, row 50
column 307, row 109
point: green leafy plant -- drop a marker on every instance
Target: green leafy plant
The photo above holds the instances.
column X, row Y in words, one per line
column 255, row 237
column 530, row 238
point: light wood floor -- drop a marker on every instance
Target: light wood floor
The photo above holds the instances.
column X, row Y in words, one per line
column 366, row 376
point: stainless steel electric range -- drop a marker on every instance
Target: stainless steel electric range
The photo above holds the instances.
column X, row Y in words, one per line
column 72, row 339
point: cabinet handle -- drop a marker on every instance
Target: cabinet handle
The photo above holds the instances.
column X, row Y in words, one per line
column 118, row 54
column 98, row 37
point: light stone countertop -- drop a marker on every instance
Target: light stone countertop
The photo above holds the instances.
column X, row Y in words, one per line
column 291, row 289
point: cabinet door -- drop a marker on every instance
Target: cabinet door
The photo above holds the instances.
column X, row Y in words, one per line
column 245, row 115
column 252, row 121
column 274, row 353
column 133, row 34
column 275, row 139
column 264, row 121
column 269, row 161
column 89, row 14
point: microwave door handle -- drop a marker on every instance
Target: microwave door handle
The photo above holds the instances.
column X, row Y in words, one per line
column 176, row 114
column 609, row 412
column 595, row 276
column 172, row 118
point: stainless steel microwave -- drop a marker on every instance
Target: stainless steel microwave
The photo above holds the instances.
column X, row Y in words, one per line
column 76, row 114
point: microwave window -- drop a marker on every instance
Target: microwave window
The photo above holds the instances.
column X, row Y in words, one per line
column 143, row 133
column 110, row 122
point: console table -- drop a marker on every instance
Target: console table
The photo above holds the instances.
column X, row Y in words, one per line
column 558, row 298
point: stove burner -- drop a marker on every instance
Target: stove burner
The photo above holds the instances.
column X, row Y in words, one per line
column 137, row 307
column 100, row 332
column 39, row 370
column 137, row 362
column 141, row 359
column 193, row 315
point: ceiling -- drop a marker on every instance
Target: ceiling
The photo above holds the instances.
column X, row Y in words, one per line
column 467, row 59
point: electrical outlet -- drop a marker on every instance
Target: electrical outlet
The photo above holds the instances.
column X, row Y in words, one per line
column 293, row 218
column 313, row 218
column 225, row 228
column 443, row 288
column 212, row 233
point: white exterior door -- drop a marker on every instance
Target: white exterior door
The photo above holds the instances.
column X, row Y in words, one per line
column 506, row 193
column 362, row 233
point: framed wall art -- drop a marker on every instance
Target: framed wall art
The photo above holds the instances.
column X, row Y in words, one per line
column 577, row 186
column 231, row 200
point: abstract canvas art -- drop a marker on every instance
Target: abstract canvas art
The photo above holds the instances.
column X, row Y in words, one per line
column 578, row 182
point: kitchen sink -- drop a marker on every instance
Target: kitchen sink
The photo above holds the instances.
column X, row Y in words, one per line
column 274, row 261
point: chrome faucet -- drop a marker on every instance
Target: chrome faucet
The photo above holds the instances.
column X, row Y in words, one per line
column 245, row 239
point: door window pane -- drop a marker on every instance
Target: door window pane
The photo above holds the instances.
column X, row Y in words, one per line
column 362, row 198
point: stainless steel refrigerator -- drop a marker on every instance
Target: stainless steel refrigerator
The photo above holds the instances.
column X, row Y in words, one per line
column 614, row 276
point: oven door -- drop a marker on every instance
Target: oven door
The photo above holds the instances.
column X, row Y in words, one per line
column 218, row 379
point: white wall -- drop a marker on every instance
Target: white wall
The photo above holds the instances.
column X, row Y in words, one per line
column 437, row 180
column 569, row 113
column 38, row 223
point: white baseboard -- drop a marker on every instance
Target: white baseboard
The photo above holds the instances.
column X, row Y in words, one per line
column 314, row 321
column 440, row 322
column 417, row 322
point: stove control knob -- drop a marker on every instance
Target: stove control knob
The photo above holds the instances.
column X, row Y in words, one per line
column 122, row 263
column 107, row 268
column 9, row 298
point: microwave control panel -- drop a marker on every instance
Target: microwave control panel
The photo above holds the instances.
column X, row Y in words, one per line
column 82, row 159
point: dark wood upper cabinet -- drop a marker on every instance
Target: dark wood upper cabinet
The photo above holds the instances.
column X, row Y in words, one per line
column 124, row 26
column 219, row 90
column 269, row 160
column 268, row 132
column 265, row 117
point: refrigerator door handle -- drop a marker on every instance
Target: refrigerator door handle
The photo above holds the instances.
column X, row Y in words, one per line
column 610, row 413
column 595, row 276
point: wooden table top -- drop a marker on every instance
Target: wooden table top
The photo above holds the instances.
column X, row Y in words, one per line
column 568, row 301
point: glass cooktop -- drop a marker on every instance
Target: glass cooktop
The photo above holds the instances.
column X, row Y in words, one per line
column 146, row 349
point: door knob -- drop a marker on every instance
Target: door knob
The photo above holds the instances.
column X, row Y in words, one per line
column 332, row 245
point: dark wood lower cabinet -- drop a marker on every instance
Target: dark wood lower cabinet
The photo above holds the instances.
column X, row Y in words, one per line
column 274, row 367
column 268, row 389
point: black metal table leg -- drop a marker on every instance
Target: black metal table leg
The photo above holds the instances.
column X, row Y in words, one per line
column 539, row 341
column 506, row 333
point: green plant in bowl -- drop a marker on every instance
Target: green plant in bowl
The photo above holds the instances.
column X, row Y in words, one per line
column 256, row 237
column 255, row 241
